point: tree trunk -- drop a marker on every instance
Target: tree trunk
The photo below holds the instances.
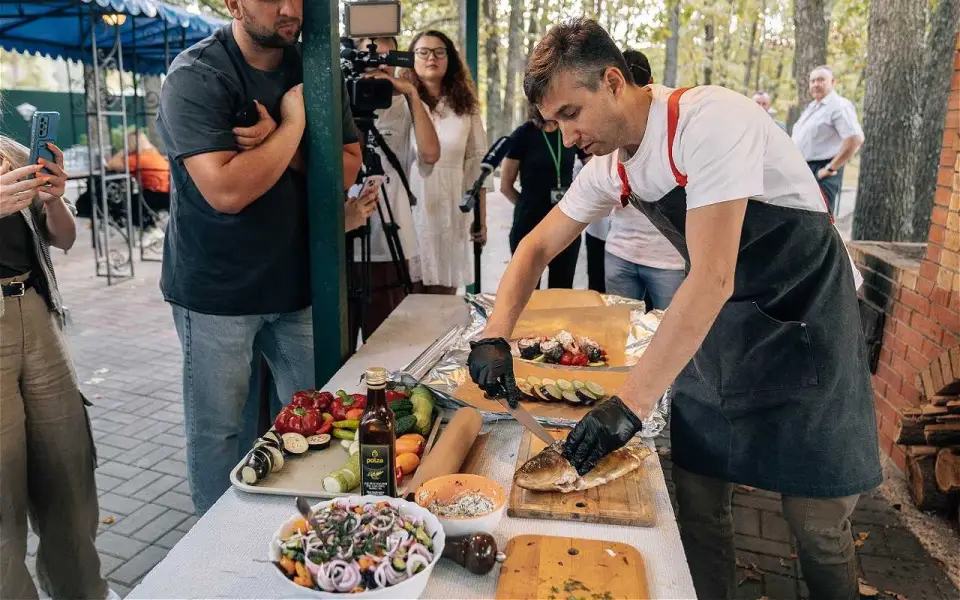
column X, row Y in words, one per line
column 935, row 89
column 758, row 79
column 533, row 26
column 751, row 51
column 811, row 21
column 885, row 192
column 491, row 49
column 514, row 65
column 673, row 44
column 709, row 43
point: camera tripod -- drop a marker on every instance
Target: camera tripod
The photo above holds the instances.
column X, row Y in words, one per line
column 359, row 281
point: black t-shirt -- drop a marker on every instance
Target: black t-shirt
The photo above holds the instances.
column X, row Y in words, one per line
column 256, row 261
column 538, row 173
column 16, row 246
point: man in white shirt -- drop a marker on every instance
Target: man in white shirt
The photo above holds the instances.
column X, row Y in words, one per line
column 761, row 346
column 406, row 119
column 763, row 100
column 828, row 134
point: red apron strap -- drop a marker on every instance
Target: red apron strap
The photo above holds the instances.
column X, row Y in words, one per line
column 673, row 117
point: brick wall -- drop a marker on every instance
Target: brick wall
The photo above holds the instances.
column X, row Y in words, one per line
column 918, row 289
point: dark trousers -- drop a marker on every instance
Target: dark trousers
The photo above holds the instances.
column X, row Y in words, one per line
column 596, row 254
column 830, row 186
column 562, row 267
column 386, row 294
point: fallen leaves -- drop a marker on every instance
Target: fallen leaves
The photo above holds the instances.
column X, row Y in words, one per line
column 867, row 590
column 108, row 520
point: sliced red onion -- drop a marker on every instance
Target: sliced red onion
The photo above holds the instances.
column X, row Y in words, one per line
column 393, row 576
column 350, row 578
column 421, row 550
column 380, row 575
column 323, row 579
column 413, row 560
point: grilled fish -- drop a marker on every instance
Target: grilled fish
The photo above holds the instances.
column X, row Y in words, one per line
column 549, row 471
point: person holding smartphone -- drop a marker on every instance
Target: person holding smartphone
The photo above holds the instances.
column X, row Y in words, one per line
column 236, row 261
column 47, row 454
column 409, row 133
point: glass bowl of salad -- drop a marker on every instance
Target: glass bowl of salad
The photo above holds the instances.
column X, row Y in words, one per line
column 367, row 547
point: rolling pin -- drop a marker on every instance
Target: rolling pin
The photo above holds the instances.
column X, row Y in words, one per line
column 450, row 450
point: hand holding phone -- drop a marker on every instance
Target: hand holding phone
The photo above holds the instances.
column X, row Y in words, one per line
column 43, row 130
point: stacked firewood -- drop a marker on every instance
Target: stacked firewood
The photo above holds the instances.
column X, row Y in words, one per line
column 931, row 434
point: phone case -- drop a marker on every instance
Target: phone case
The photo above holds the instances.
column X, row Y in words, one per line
column 43, row 129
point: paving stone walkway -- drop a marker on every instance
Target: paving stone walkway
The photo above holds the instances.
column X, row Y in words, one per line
column 127, row 358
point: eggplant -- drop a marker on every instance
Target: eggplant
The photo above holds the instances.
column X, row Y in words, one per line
column 586, row 397
column 319, row 442
column 534, row 382
column 526, row 389
column 553, row 393
column 595, row 389
column 276, row 457
column 267, row 457
column 257, row 467
column 564, row 385
column 571, row 397
column 295, row 443
column 274, row 436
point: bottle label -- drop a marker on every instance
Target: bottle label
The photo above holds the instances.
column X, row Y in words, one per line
column 376, row 470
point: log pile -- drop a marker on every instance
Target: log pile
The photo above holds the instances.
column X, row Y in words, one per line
column 931, row 434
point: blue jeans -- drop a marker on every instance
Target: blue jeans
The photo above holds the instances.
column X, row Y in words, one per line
column 217, row 356
column 631, row 280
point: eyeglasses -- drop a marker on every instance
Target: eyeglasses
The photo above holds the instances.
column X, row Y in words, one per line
column 425, row 53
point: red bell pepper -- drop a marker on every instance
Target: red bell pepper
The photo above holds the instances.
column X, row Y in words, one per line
column 298, row 419
column 313, row 399
column 396, row 395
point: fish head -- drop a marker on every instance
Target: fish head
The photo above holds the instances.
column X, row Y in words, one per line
column 548, row 470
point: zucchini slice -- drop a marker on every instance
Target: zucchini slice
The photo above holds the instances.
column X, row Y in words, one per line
column 534, row 381
column 564, row 385
column 571, row 397
column 553, row 392
column 595, row 389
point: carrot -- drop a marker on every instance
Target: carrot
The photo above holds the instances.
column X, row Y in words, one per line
column 301, row 525
column 302, row 571
column 307, row 583
column 365, row 563
column 287, row 564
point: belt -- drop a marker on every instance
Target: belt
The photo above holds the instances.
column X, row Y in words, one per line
column 16, row 289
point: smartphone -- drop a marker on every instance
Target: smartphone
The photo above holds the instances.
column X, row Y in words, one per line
column 372, row 182
column 43, row 129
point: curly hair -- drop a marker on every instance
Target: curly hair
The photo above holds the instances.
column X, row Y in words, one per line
column 457, row 84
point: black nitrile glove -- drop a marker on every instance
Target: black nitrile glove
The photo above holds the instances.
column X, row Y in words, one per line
column 489, row 361
column 601, row 431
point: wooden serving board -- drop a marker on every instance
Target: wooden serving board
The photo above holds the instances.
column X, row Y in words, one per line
column 540, row 567
column 625, row 501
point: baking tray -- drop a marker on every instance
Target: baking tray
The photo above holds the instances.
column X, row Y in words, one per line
column 302, row 475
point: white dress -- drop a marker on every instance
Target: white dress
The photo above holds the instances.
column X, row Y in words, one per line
column 443, row 231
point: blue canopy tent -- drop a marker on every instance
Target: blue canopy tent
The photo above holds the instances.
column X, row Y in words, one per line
column 150, row 32
column 134, row 36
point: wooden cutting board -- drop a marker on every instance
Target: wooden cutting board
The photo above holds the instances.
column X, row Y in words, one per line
column 540, row 567
column 625, row 501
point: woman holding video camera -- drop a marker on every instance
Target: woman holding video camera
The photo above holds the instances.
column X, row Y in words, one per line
column 443, row 231
column 47, row 456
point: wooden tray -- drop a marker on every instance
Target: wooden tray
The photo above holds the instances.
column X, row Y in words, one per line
column 540, row 567
column 626, row 501
column 303, row 475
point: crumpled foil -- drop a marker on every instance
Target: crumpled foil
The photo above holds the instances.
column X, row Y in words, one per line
column 442, row 365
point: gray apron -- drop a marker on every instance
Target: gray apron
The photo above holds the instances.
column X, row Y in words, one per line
column 779, row 395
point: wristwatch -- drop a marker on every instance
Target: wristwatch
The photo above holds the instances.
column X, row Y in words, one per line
column 830, row 169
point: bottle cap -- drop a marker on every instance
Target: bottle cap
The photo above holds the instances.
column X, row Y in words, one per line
column 376, row 376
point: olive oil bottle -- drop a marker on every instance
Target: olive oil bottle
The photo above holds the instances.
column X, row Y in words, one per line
column 378, row 476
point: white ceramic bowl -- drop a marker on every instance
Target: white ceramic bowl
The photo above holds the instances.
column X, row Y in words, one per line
column 449, row 487
column 407, row 589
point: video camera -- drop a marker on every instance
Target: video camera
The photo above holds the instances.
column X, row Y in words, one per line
column 368, row 95
column 370, row 19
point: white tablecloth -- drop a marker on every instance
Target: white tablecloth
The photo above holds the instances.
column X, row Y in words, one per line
column 224, row 555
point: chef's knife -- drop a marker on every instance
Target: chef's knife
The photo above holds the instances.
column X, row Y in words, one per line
column 512, row 403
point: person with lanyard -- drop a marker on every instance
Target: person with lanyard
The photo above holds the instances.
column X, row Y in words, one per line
column 761, row 346
column 545, row 168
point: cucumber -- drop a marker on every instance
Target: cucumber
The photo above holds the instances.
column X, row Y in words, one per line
column 571, row 397
column 401, row 406
column 346, row 443
column 295, row 443
column 595, row 389
column 564, row 385
column 534, row 382
column 404, row 425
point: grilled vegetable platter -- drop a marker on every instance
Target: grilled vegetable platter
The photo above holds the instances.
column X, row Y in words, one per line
column 312, row 447
column 575, row 391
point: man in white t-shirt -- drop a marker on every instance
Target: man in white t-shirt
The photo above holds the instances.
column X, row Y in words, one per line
column 761, row 346
column 828, row 134
column 406, row 119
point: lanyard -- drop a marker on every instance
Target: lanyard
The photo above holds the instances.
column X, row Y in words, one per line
column 557, row 156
